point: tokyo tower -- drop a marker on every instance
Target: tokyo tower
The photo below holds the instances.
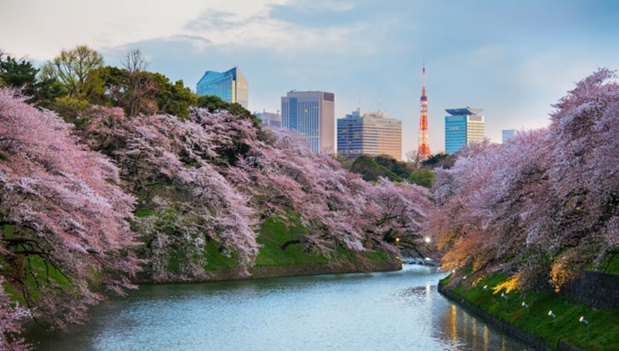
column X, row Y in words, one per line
column 423, row 147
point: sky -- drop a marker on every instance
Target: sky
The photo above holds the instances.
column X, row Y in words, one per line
column 513, row 58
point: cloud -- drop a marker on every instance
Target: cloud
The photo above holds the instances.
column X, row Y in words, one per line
column 41, row 28
column 275, row 26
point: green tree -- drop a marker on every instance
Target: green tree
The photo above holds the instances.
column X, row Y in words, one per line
column 18, row 74
column 214, row 103
column 440, row 160
column 21, row 74
column 401, row 169
column 370, row 170
column 423, row 177
column 345, row 161
column 174, row 99
column 73, row 70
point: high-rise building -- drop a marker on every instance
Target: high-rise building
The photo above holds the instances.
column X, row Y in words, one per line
column 270, row 119
column 463, row 127
column 230, row 86
column 371, row 133
column 311, row 113
column 506, row 134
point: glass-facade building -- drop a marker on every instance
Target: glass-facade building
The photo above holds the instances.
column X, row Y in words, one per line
column 371, row 133
column 270, row 119
column 230, row 86
column 311, row 113
column 463, row 126
column 506, row 134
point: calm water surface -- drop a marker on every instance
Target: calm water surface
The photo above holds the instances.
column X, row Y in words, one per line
column 377, row 311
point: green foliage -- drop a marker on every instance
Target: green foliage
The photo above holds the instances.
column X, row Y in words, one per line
column 346, row 162
column 71, row 108
column 18, row 74
column 214, row 103
column 399, row 168
column 440, row 160
column 21, row 74
column 370, row 170
column 48, row 90
column 72, row 69
column 173, row 99
column 423, row 177
column 603, row 334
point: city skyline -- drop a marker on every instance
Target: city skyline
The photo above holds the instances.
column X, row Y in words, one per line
column 518, row 60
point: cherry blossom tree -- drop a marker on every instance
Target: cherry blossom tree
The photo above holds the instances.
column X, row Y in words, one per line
column 11, row 317
column 543, row 205
column 337, row 206
column 64, row 221
column 584, row 173
column 173, row 167
column 212, row 177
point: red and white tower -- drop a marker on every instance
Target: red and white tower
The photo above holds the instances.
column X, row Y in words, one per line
column 423, row 148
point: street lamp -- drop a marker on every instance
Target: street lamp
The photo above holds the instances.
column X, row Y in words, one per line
column 524, row 304
column 551, row 314
column 583, row 320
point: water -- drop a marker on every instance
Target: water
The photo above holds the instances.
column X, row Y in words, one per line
column 376, row 311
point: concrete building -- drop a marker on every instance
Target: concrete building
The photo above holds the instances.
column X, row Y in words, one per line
column 230, row 86
column 311, row 113
column 370, row 133
column 463, row 126
column 270, row 119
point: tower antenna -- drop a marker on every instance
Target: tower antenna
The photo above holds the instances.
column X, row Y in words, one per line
column 423, row 147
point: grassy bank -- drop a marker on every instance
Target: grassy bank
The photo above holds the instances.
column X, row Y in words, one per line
column 275, row 234
column 283, row 253
column 534, row 317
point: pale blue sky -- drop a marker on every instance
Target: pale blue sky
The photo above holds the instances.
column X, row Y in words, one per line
column 511, row 58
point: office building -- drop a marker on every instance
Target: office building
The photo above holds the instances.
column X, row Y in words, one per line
column 311, row 113
column 230, row 86
column 463, row 126
column 370, row 133
column 270, row 119
column 506, row 134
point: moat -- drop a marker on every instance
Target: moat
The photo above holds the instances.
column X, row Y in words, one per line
column 375, row 311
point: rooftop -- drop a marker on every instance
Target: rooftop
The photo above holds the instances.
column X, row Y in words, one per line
column 464, row 111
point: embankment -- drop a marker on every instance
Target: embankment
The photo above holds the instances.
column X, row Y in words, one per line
column 582, row 317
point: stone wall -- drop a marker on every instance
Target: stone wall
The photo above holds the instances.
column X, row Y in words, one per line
column 598, row 290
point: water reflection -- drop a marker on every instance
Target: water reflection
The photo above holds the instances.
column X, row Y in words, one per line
column 466, row 333
column 377, row 311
